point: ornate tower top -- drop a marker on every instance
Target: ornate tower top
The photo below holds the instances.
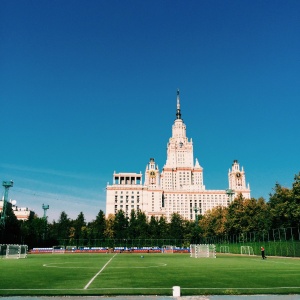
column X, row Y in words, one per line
column 178, row 113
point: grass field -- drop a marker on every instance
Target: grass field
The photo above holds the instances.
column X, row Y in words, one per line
column 154, row 274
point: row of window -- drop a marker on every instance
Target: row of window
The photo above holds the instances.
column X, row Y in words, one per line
column 121, row 192
column 126, row 207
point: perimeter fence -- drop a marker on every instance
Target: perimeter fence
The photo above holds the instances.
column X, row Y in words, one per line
column 277, row 242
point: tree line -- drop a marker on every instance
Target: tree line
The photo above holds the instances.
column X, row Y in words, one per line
column 242, row 216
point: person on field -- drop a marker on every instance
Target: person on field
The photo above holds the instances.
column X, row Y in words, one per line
column 263, row 253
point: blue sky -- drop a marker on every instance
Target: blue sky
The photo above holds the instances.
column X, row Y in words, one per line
column 89, row 87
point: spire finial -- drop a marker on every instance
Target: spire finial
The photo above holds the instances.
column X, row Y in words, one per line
column 178, row 113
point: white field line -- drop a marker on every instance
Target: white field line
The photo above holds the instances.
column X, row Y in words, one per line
column 56, row 265
column 98, row 273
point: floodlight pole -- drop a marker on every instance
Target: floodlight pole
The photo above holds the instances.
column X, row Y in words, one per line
column 45, row 207
column 6, row 185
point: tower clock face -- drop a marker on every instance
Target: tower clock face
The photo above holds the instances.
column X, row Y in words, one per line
column 238, row 175
column 152, row 174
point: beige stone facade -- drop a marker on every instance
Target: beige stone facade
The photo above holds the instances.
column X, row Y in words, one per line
column 178, row 187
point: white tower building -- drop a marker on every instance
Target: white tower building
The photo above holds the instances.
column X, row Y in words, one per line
column 179, row 188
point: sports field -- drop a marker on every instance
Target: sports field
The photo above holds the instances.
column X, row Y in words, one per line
column 147, row 274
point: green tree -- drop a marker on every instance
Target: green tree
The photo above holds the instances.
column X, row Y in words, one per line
column 176, row 227
column 281, row 207
column 63, row 229
column 79, row 226
column 284, row 205
column 10, row 231
column 120, row 226
column 163, row 228
column 234, row 223
column 132, row 226
column 98, row 226
column 213, row 223
column 153, row 228
column 109, row 227
column 142, row 225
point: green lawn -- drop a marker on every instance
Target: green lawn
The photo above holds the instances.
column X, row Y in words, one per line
column 154, row 274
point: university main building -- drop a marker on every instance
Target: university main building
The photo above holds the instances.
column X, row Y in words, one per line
column 177, row 188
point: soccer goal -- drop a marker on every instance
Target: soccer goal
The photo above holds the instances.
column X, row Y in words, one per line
column 167, row 249
column 14, row 251
column 224, row 249
column 203, row 250
column 247, row 250
column 58, row 250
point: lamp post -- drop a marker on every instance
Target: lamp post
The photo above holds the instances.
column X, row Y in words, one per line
column 196, row 215
column 230, row 193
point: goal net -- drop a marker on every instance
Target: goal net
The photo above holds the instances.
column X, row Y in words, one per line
column 167, row 249
column 14, row 251
column 247, row 250
column 58, row 250
column 224, row 249
column 23, row 251
column 203, row 250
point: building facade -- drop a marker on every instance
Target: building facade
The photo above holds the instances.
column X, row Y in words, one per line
column 22, row 213
column 177, row 188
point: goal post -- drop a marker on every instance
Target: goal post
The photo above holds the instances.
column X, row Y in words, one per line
column 224, row 249
column 247, row 250
column 203, row 250
column 23, row 251
column 58, row 249
column 167, row 249
column 14, row 251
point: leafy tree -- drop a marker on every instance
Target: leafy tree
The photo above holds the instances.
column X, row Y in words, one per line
column 285, row 205
column 98, row 226
column 235, row 215
column 120, row 225
column 153, row 228
column 194, row 232
column 296, row 200
column 109, row 226
column 176, row 227
column 281, row 207
column 10, row 231
column 79, row 227
column 63, row 228
column 163, row 228
column 142, row 225
column 132, row 225
column 213, row 223
column 257, row 215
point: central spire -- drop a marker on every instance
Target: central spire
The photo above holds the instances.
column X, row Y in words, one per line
column 178, row 113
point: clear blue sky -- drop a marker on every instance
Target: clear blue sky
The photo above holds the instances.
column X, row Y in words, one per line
column 89, row 87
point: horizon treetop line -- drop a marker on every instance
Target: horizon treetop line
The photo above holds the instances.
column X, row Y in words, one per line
column 178, row 188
